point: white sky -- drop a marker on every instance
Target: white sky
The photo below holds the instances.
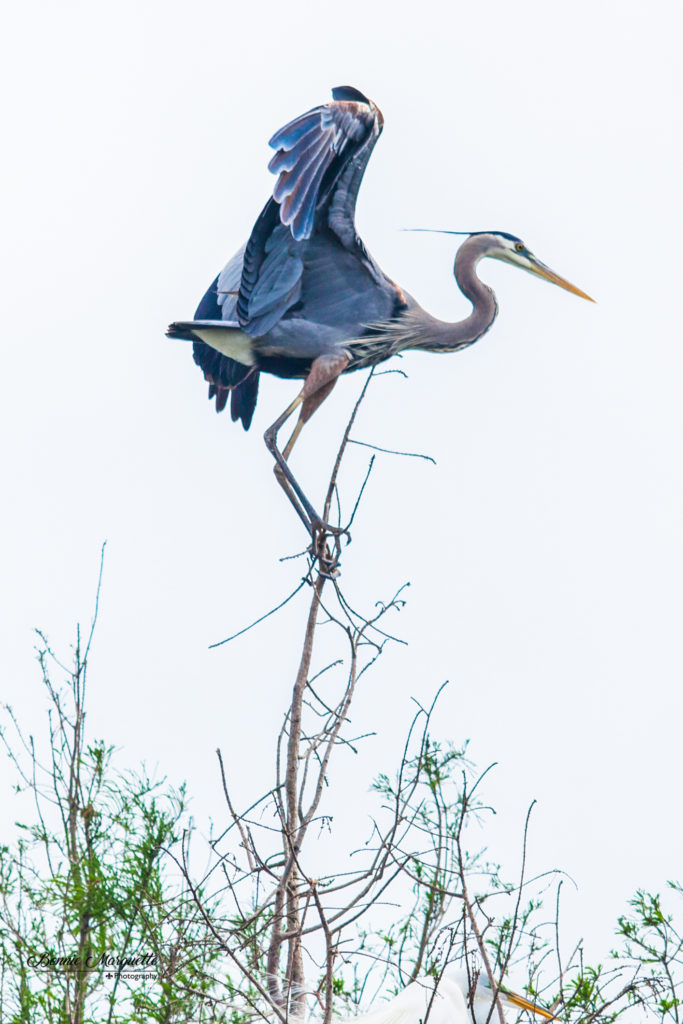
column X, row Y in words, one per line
column 544, row 550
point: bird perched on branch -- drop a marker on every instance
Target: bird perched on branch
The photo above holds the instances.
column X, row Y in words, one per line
column 304, row 299
column 456, row 999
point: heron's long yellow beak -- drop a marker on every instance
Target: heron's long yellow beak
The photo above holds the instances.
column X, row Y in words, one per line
column 525, row 1004
column 540, row 269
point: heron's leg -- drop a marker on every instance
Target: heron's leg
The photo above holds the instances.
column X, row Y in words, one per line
column 287, row 450
column 283, row 476
column 317, row 527
column 319, row 383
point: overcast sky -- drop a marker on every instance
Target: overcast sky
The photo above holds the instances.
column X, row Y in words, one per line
column 544, row 550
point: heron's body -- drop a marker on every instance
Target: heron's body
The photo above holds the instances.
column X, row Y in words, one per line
column 288, row 348
column 304, row 298
column 305, row 288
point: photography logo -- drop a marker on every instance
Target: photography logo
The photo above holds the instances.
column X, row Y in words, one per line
column 137, row 967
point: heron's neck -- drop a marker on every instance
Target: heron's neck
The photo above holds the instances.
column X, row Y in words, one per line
column 483, row 299
column 440, row 336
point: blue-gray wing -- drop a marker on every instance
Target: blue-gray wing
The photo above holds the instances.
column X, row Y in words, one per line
column 303, row 259
column 338, row 138
column 227, row 378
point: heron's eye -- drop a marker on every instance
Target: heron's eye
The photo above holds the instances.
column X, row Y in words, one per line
column 519, row 246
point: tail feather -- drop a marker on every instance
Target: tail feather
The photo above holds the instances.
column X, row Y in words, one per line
column 215, row 344
column 220, row 394
column 228, row 379
column 243, row 400
column 180, row 331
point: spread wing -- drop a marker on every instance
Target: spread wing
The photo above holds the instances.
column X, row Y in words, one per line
column 304, row 256
column 304, row 270
column 337, row 137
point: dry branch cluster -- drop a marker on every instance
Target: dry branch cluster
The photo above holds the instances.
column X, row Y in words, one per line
column 414, row 897
column 262, row 931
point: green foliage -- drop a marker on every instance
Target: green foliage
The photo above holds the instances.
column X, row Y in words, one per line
column 100, row 870
column 87, row 890
column 643, row 979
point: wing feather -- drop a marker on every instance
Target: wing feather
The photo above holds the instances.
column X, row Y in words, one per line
column 291, row 185
column 319, row 161
column 226, row 377
column 311, row 143
column 446, row 1005
column 285, row 159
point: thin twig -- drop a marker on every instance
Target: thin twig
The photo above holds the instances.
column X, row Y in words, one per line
column 392, row 451
column 219, row 643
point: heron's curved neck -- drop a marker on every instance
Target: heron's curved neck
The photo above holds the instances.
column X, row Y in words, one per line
column 440, row 336
column 483, row 299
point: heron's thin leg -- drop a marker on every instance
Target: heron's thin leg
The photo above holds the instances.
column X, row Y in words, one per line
column 328, row 562
column 287, row 450
column 320, row 381
column 284, row 475
column 293, row 490
column 286, row 478
column 293, row 498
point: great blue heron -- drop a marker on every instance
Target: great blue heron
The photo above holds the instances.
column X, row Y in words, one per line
column 304, row 298
column 456, row 999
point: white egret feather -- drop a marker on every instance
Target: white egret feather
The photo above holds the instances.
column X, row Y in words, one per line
column 448, row 1002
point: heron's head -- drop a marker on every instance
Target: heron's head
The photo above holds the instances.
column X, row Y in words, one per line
column 499, row 245
column 481, row 998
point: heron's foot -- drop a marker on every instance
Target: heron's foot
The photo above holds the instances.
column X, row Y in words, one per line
column 328, row 567
column 319, row 528
column 328, row 562
column 321, row 551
